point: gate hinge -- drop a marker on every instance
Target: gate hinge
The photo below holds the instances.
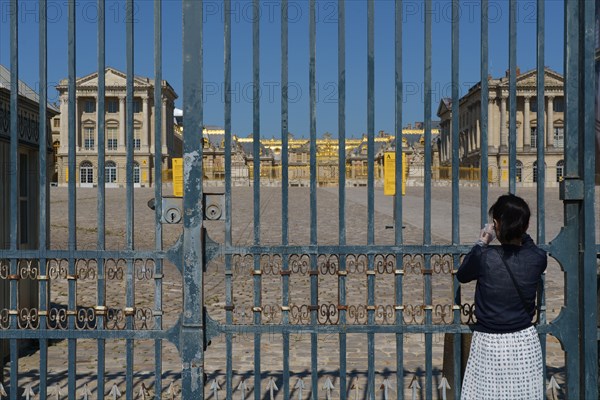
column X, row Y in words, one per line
column 571, row 189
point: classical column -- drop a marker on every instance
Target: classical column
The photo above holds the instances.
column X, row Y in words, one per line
column 164, row 126
column 121, row 144
column 97, row 130
column 145, row 130
column 64, row 124
column 492, row 132
column 550, row 124
column 503, row 133
column 526, row 125
column 478, row 134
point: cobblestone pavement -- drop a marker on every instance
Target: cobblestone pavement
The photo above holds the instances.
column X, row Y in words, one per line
column 270, row 233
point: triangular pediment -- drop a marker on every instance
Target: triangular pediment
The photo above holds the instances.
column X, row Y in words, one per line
column 529, row 79
column 112, row 78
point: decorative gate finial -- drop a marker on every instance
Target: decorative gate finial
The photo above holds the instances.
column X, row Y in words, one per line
column 386, row 386
column 271, row 387
column 414, row 385
column 553, row 387
column 114, row 392
column 444, row 386
column 215, row 388
column 29, row 394
column 242, row 387
column 300, row 387
column 85, row 392
column 328, row 387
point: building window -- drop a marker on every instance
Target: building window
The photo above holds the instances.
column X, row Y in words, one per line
column 136, row 172
column 137, row 106
column 560, row 169
column 88, row 138
column 533, row 105
column 534, row 136
column 57, row 122
column 559, row 137
column 137, row 141
column 111, row 138
column 519, row 171
column 110, row 172
column 559, row 104
column 86, row 172
column 90, row 106
column 112, row 106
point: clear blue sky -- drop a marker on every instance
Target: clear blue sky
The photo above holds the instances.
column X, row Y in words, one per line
column 356, row 28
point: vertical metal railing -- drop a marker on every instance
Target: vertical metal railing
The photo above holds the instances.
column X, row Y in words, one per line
column 512, row 96
column 398, row 206
column 285, row 277
column 571, row 208
column 455, row 188
column 228, row 236
column 314, row 277
column 72, row 246
column 541, row 170
column 256, row 153
column 129, row 220
column 343, row 306
column 43, row 192
column 192, row 321
column 371, row 194
column 101, row 245
column 587, row 149
column 14, row 95
column 158, row 167
column 427, row 294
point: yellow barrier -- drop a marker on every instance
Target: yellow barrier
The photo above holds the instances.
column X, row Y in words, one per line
column 389, row 174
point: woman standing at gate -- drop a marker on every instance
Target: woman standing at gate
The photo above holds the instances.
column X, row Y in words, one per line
column 505, row 361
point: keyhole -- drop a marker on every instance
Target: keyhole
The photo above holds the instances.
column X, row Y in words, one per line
column 172, row 216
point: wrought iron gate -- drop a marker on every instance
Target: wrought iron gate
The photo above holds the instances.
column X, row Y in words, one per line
column 321, row 273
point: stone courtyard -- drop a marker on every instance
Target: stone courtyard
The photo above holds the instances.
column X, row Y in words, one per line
column 271, row 298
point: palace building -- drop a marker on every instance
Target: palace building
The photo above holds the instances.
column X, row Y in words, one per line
column 144, row 105
column 28, row 189
column 498, row 130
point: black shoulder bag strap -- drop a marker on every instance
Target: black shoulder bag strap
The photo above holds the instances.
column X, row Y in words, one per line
column 512, row 277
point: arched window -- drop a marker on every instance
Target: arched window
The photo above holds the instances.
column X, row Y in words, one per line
column 110, row 172
column 136, row 172
column 560, row 169
column 86, row 172
column 519, row 171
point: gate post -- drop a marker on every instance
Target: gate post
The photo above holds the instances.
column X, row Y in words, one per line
column 192, row 322
column 577, row 240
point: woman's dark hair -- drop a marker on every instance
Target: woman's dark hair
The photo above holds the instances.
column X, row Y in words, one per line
column 512, row 212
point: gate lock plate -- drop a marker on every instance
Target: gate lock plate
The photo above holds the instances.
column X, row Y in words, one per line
column 172, row 210
column 213, row 205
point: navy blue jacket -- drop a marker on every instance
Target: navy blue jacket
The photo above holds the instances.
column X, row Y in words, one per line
column 498, row 307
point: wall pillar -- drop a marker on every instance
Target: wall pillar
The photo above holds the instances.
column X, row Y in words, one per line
column 164, row 127
column 550, row 124
column 145, row 125
column 503, row 131
column 121, row 144
column 526, row 124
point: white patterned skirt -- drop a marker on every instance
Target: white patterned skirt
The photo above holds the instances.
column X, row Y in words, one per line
column 504, row 366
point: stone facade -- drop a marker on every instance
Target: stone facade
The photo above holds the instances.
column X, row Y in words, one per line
column 27, row 172
column 86, row 131
column 498, row 130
